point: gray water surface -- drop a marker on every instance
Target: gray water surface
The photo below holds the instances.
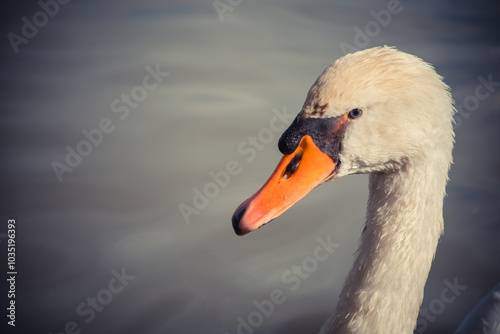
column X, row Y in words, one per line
column 180, row 93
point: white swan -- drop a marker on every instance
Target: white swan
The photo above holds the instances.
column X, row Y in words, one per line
column 485, row 317
column 387, row 113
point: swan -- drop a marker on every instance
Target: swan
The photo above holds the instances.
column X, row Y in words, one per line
column 387, row 113
column 485, row 317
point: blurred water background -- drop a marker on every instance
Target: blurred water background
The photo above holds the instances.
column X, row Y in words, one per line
column 178, row 89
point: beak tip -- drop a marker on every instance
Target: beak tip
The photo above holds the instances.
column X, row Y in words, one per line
column 238, row 214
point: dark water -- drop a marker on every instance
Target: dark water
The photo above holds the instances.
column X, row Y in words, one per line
column 168, row 95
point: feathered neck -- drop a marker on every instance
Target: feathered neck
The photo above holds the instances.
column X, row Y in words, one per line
column 385, row 286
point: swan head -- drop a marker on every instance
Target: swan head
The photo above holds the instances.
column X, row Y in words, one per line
column 375, row 110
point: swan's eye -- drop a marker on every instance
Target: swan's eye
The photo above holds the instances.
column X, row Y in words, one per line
column 355, row 113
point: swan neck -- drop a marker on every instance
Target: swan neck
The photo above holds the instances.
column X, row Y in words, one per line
column 384, row 289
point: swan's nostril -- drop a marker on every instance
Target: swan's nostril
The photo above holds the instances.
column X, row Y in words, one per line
column 237, row 218
column 292, row 166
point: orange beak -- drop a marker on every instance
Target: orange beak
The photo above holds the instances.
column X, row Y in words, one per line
column 295, row 176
